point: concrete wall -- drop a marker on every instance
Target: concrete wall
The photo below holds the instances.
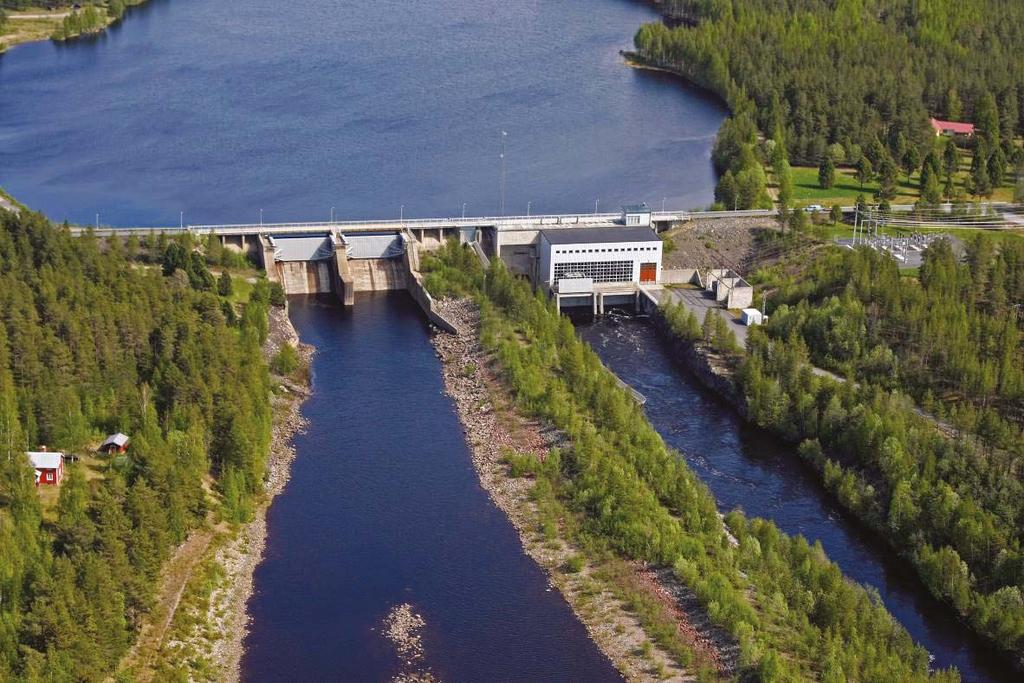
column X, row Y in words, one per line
column 680, row 276
column 520, row 259
column 414, row 285
column 376, row 275
column 729, row 288
column 304, row 277
column 344, row 285
column 740, row 296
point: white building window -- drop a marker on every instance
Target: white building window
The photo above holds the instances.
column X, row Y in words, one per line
column 607, row 271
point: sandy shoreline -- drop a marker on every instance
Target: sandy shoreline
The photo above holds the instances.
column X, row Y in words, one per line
column 491, row 430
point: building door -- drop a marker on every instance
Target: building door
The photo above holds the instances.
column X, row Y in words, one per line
column 648, row 272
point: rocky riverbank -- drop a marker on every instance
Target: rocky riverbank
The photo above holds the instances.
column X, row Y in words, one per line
column 216, row 628
column 493, row 428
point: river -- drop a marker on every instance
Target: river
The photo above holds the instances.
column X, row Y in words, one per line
column 383, row 508
column 748, row 468
column 220, row 109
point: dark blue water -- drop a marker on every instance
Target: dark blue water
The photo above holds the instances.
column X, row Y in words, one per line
column 747, row 468
column 219, row 109
column 383, row 508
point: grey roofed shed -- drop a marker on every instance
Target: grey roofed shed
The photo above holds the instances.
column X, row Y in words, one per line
column 118, row 440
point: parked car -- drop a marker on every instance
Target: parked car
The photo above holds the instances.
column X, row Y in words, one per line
column 814, row 208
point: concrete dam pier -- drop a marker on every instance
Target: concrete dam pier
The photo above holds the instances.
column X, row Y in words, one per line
column 342, row 264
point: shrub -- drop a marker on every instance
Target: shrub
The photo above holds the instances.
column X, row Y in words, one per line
column 277, row 296
column 574, row 565
column 286, row 361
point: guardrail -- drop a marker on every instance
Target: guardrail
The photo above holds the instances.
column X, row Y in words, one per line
column 529, row 221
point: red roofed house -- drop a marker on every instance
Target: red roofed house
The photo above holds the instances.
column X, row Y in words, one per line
column 952, row 128
column 49, row 467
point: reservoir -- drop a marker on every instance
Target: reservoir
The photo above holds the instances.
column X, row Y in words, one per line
column 208, row 111
column 746, row 467
column 384, row 508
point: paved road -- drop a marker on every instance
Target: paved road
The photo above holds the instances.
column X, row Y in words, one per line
column 698, row 301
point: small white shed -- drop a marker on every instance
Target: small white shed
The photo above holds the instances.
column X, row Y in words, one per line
column 751, row 316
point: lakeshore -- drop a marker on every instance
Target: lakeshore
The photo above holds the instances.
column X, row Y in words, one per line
column 594, row 590
column 34, row 25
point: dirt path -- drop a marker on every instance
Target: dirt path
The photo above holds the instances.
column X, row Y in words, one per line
column 177, row 572
column 52, row 15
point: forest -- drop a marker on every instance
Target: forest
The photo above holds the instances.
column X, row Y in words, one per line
column 943, row 485
column 849, row 80
column 791, row 610
column 99, row 336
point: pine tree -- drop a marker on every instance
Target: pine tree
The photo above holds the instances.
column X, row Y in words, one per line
column 826, row 173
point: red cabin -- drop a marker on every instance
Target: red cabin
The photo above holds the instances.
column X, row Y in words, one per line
column 49, row 467
column 952, row 128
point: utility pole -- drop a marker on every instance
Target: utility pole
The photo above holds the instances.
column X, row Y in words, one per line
column 181, row 220
column 97, row 220
column 528, row 204
column 663, row 204
column 463, row 210
column 596, row 202
column 856, row 221
column 503, row 173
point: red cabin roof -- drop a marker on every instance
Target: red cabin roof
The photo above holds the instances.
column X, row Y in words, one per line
column 955, row 127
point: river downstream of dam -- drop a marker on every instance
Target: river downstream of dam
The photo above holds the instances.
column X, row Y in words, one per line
column 746, row 467
column 384, row 508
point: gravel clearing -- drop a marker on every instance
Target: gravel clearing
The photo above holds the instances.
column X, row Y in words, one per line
column 718, row 242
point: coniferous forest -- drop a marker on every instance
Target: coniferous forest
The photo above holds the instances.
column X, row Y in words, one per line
column 853, row 81
column 96, row 337
column 943, row 484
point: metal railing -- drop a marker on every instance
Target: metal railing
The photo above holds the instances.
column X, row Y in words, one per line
column 510, row 222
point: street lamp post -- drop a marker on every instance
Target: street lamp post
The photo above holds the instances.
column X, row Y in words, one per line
column 503, row 173
column 181, row 220
column 663, row 204
column 596, row 202
column 528, row 205
column 463, row 209
column 97, row 220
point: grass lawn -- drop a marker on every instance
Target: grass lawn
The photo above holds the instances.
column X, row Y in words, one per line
column 92, row 467
column 242, row 280
column 807, row 191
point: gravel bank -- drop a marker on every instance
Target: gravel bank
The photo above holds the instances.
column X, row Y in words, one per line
column 492, row 427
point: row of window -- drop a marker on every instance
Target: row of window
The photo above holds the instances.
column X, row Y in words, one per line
column 607, row 271
column 602, row 251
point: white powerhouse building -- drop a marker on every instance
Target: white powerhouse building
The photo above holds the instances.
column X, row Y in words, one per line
column 584, row 265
